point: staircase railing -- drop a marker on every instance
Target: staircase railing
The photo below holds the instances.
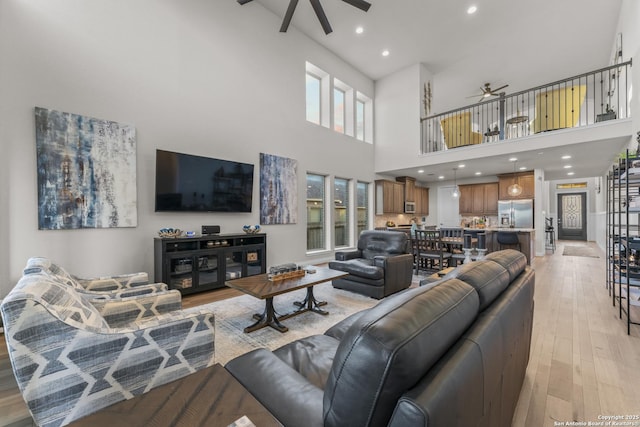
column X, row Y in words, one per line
column 577, row 101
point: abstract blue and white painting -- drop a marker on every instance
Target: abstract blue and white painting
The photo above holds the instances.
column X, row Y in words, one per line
column 86, row 172
column 278, row 190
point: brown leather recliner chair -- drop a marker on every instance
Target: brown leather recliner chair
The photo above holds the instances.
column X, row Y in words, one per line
column 381, row 266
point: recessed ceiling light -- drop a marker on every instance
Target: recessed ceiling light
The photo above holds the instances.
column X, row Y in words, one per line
column 461, row 165
column 385, row 52
column 441, row 177
column 420, row 170
column 523, row 168
column 478, row 173
column 567, row 166
column 566, row 157
column 570, row 173
column 359, row 30
column 513, row 159
column 472, row 10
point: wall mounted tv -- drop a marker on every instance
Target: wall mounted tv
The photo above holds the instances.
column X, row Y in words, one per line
column 187, row 183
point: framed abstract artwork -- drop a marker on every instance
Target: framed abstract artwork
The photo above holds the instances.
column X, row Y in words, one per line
column 278, row 190
column 86, row 172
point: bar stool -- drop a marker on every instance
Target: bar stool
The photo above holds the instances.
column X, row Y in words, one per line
column 550, row 235
column 506, row 238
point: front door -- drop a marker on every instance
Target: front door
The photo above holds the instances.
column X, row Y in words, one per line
column 572, row 216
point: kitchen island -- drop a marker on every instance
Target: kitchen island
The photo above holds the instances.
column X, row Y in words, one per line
column 526, row 237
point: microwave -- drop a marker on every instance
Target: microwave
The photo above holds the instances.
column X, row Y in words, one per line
column 409, row 207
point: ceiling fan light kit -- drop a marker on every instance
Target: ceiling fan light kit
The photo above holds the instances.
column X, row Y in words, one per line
column 318, row 9
column 487, row 91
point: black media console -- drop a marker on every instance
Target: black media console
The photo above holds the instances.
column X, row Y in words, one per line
column 197, row 264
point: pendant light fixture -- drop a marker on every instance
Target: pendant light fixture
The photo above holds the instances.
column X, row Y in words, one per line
column 514, row 189
column 456, row 190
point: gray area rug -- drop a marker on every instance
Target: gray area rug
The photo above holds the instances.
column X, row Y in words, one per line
column 234, row 314
column 583, row 251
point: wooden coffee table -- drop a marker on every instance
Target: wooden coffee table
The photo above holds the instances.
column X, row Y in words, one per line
column 211, row 397
column 260, row 287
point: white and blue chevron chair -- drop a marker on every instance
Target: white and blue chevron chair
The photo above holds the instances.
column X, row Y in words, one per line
column 73, row 354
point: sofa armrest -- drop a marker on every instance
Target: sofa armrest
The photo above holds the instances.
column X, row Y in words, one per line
column 347, row 255
column 398, row 272
column 380, row 261
column 338, row 330
column 150, row 289
column 289, row 396
column 109, row 283
column 122, row 311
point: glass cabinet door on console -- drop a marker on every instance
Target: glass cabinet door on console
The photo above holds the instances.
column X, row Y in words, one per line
column 193, row 272
column 244, row 261
column 208, row 272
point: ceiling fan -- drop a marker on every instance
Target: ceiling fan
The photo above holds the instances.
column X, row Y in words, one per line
column 487, row 91
column 317, row 7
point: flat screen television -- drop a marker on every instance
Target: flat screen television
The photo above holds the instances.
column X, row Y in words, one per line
column 188, row 183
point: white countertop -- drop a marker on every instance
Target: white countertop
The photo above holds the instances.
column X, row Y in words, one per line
column 514, row 230
column 518, row 230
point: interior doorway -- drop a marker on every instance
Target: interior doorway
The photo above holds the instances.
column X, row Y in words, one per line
column 572, row 216
column 448, row 208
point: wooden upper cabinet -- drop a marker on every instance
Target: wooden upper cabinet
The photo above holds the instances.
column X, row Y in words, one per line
column 491, row 198
column 389, row 197
column 409, row 188
column 525, row 179
column 422, row 201
column 479, row 199
column 528, row 183
column 465, row 203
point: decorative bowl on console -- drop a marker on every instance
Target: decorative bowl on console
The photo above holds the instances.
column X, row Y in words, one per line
column 170, row 232
column 251, row 229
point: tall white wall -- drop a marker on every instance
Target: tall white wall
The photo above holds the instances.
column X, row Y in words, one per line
column 628, row 27
column 211, row 78
column 397, row 118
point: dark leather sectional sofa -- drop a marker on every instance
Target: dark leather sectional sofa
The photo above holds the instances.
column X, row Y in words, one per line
column 451, row 353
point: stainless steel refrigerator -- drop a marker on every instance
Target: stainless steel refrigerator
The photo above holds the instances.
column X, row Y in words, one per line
column 515, row 213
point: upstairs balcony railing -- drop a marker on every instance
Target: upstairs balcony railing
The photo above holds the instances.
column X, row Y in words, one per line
column 574, row 102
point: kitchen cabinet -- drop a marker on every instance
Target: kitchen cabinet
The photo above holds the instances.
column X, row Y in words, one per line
column 479, row 199
column 525, row 179
column 466, row 200
column 389, row 197
column 409, row 188
column 422, row 201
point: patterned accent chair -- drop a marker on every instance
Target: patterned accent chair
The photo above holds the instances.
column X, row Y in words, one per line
column 73, row 354
column 124, row 285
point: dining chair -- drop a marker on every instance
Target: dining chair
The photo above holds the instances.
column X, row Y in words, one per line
column 453, row 238
column 429, row 251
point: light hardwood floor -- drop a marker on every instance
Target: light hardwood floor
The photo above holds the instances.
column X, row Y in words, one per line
column 582, row 366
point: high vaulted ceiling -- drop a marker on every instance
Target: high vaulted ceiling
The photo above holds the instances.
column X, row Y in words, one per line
column 516, row 42
column 504, row 38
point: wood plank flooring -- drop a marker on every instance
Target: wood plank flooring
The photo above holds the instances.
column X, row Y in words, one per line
column 582, row 365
